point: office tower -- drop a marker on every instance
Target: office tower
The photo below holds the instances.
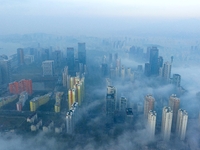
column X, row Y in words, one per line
column 5, row 66
column 122, row 73
column 65, row 76
column 160, row 61
column 147, row 69
column 176, row 80
column 104, row 70
column 167, row 115
column 111, row 98
column 153, row 60
column 57, row 57
column 174, row 104
column 20, row 56
column 70, row 60
column 48, row 67
column 82, row 53
column 151, row 124
column 148, row 104
column 167, row 71
column 110, row 58
column 181, row 126
column 123, row 104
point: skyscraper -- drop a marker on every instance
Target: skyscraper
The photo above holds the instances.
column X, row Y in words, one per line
column 20, row 56
column 82, row 53
column 6, row 71
column 167, row 115
column 70, row 60
column 181, row 126
column 167, row 71
column 123, row 103
column 148, row 104
column 111, row 98
column 174, row 103
column 153, row 60
column 151, row 124
column 48, row 68
column 176, row 80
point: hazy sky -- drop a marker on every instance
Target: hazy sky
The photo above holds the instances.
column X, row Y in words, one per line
column 82, row 16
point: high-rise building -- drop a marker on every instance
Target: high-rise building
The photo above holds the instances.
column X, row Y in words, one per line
column 160, row 61
column 123, row 103
column 176, row 80
column 20, row 56
column 65, row 77
column 5, row 66
column 167, row 71
column 70, row 60
column 174, row 104
column 153, row 60
column 148, row 104
column 147, row 69
column 57, row 56
column 181, row 125
column 167, row 115
column 48, row 67
column 151, row 124
column 82, row 53
column 111, row 98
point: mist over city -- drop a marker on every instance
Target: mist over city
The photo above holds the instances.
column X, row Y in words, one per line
column 99, row 75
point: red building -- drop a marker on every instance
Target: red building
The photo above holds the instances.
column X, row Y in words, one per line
column 22, row 85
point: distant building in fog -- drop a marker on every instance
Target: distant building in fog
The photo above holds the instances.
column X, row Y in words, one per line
column 176, row 80
column 82, row 53
column 70, row 60
column 167, row 115
column 167, row 71
column 123, row 103
column 20, row 56
column 111, row 98
column 5, row 66
column 153, row 60
column 48, row 67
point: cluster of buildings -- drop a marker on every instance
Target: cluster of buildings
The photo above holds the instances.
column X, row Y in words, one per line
column 49, row 126
column 36, row 102
column 21, row 86
column 174, row 119
column 111, row 67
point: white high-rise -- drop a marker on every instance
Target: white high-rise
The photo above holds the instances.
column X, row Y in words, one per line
column 48, row 67
column 181, row 125
column 167, row 115
column 151, row 124
column 167, row 71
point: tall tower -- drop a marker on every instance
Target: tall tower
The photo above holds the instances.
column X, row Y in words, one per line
column 151, row 123
column 167, row 71
column 167, row 115
column 181, row 125
column 70, row 60
column 153, row 60
column 82, row 53
column 5, row 66
column 111, row 98
column 48, row 67
column 20, row 56
column 123, row 103
column 174, row 104
column 148, row 104
column 177, row 80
